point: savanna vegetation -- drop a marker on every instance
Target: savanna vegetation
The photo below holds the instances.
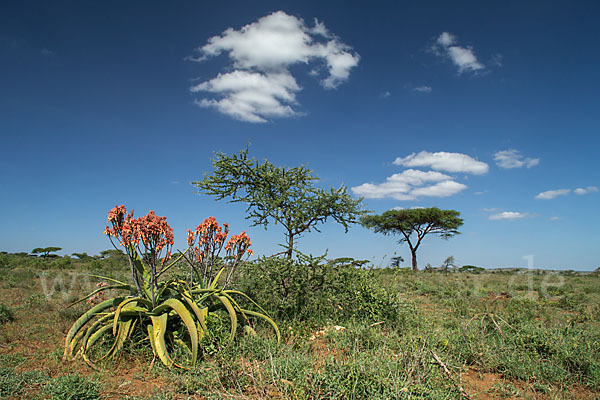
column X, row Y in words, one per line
column 346, row 332
column 144, row 321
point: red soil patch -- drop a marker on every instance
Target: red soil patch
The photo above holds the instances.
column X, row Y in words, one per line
column 487, row 386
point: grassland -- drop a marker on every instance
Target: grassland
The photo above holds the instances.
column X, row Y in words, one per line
column 347, row 334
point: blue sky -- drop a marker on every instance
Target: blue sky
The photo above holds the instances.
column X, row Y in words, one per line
column 489, row 109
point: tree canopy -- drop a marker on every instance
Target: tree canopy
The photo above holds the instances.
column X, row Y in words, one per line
column 82, row 256
column 45, row 251
column 448, row 262
column 113, row 254
column 281, row 195
column 414, row 224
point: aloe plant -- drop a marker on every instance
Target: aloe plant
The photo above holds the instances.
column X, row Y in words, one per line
column 165, row 310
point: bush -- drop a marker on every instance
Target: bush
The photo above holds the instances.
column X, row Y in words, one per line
column 309, row 290
column 6, row 314
column 60, row 263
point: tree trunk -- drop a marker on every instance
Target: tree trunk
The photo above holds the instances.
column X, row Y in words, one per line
column 414, row 260
column 290, row 246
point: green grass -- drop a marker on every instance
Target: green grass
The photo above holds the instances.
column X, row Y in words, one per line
column 14, row 384
column 72, row 387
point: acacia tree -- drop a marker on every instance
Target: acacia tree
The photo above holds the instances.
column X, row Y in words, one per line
column 448, row 262
column 45, row 251
column 414, row 224
column 82, row 256
column 396, row 261
column 285, row 196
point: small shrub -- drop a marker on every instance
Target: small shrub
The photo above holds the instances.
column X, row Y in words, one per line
column 570, row 301
column 61, row 263
column 506, row 390
column 522, row 309
column 6, row 314
column 36, row 300
column 316, row 292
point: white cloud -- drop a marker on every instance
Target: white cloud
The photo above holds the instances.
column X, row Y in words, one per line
column 508, row 215
column 446, row 39
column 554, row 218
column 411, row 184
column 514, row 159
column 261, row 85
column 550, row 194
column 423, row 89
column 586, row 190
column 251, row 96
column 441, row 189
column 385, row 95
column 463, row 57
column 443, row 161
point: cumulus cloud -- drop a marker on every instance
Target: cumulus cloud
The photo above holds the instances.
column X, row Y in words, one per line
column 463, row 57
column 510, row 215
column 423, row 89
column 514, row 159
column 411, row 184
column 444, row 161
column 251, row 96
column 260, row 85
column 441, row 189
column 589, row 189
column 550, row 194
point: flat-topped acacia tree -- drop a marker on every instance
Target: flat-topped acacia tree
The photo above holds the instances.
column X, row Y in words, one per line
column 414, row 224
column 285, row 196
column 45, row 251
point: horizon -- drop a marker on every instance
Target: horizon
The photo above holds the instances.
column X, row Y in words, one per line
column 489, row 110
column 57, row 254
